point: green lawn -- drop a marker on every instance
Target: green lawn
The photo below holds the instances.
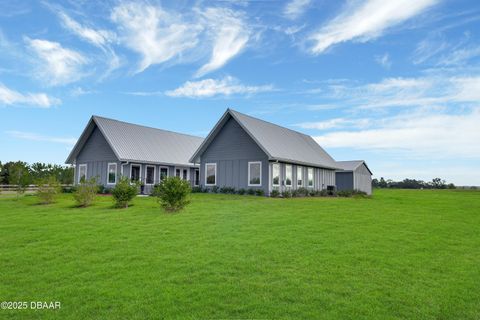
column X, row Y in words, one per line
column 400, row 255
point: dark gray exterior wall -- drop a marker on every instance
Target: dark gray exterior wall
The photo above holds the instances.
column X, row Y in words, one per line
column 360, row 179
column 97, row 154
column 231, row 150
column 344, row 180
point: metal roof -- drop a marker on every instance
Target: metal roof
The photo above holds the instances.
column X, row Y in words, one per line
column 352, row 165
column 131, row 142
column 277, row 142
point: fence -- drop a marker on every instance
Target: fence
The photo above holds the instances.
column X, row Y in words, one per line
column 29, row 188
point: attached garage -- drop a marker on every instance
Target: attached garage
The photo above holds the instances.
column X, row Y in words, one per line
column 355, row 175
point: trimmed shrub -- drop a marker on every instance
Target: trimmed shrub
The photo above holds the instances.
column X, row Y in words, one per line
column 198, row 190
column 259, row 192
column 302, row 192
column 241, row 191
column 86, row 192
column 48, row 188
column 227, row 190
column 251, row 192
column 214, row 189
column 124, row 192
column 286, row 194
column 345, row 193
column 274, row 193
column 173, row 194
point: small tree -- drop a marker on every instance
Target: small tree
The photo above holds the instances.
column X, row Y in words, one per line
column 86, row 192
column 20, row 176
column 173, row 193
column 124, row 192
column 48, row 188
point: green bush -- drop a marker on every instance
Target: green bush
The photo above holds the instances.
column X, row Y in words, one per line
column 86, row 192
column 197, row 190
column 241, row 191
column 274, row 193
column 48, row 188
column 173, row 194
column 214, row 189
column 124, row 192
column 227, row 190
column 345, row 193
column 251, row 192
column 302, row 192
column 259, row 192
column 286, row 194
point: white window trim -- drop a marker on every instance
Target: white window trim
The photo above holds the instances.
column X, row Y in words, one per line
column 206, row 171
column 301, row 170
column 136, row 165
column 80, row 170
column 273, row 184
column 154, row 172
column 160, row 173
column 313, row 178
column 254, row 185
column 181, row 171
column 291, row 175
column 108, row 173
column 195, row 182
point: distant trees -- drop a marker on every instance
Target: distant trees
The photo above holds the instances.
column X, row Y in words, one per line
column 19, row 171
column 436, row 183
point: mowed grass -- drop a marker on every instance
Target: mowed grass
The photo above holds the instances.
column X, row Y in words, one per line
column 400, row 255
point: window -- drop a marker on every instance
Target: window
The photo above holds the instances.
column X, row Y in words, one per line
column 288, row 175
column 82, row 172
column 276, row 174
column 196, row 181
column 185, row 174
column 310, row 177
column 163, row 173
column 112, row 173
column 254, row 174
column 135, row 172
column 210, row 174
column 177, row 173
column 299, row 176
column 150, row 175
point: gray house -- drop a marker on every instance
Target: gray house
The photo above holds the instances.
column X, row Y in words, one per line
column 108, row 149
column 246, row 152
column 355, row 175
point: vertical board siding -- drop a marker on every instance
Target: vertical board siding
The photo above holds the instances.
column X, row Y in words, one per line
column 231, row 150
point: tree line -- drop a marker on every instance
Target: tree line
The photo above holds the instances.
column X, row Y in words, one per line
column 22, row 173
column 436, row 183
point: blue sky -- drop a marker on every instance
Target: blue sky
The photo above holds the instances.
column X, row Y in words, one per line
column 393, row 82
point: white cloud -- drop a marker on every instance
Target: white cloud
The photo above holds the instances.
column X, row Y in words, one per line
column 211, row 87
column 366, row 21
column 99, row 38
column 384, row 60
column 157, row 35
column 37, row 137
column 335, row 123
column 12, row 97
column 431, row 135
column 295, row 8
column 56, row 65
column 230, row 35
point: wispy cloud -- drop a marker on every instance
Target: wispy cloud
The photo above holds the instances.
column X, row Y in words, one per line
column 38, row 137
column 230, row 35
column 55, row 64
column 295, row 8
column 99, row 38
column 384, row 60
column 12, row 97
column 212, row 87
column 364, row 21
column 430, row 135
column 335, row 123
column 156, row 34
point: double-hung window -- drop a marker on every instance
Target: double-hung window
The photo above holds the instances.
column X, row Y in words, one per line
column 276, row 174
column 310, row 177
column 254, row 174
column 288, row 175
column 210, row 174
column 299, row 176
column 82, row 172
column 112, row 173
column 150, row 175
column 163, row 173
